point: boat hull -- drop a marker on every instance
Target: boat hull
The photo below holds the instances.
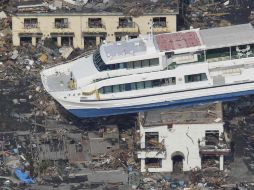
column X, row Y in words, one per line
column 85, row 113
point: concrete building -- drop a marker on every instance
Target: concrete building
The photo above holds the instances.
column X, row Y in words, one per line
column 90, row 26
column 182, row 139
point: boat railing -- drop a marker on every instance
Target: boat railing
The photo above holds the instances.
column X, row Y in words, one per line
column 85, row 54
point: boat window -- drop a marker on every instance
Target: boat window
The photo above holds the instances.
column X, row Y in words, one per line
column 145, row 63
column 116, row 88
column 171, row 80
column 108, row 89
column 137, row 64
column 128, row 87
column 101, row 66
column 148, row 84
column 142, row 63
column 121, row 87
column 101, row 90
column 154, row 62
column 157, row 82
column 122, row 65
column 133, row 86
column 195, row 77
column 130, row 65
column 138, row 85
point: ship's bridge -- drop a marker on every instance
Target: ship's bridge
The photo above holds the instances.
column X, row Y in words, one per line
column 129, row 50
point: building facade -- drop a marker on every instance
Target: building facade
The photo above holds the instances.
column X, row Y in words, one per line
column 87, row 30
column 181, row 140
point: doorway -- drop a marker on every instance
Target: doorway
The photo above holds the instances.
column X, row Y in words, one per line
column 177, row 160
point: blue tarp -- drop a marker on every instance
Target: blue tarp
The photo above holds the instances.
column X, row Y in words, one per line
column 23, row 176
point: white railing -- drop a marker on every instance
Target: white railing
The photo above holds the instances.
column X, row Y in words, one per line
column 85, row 54
column 30, row 26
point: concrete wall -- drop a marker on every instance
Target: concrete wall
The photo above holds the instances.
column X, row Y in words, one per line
column 79, row 24
column 183, row 138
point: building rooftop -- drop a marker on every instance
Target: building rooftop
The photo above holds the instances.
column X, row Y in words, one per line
column 227, row 36
column 208, row 113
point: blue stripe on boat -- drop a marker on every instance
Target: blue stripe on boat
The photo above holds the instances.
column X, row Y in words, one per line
column 85, row 113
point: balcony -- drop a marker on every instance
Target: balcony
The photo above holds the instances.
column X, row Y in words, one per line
column 128, row 27
column 94, row 27
column 151, row 149
column 151, row 154
column 58, row 25
column 31, row 28
column 159, row 24
column 160, row 27
column 31, row 25
column 214, row 150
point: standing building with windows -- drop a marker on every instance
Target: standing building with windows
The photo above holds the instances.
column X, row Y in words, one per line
column 88, row 27
column 182, row 139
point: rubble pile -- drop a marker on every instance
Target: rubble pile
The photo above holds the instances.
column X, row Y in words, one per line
column 207, row 14
column 116, row 159
column 22, row 95
column 137, row 8
column 240, row 118
column 21, row 84
column 128, row 7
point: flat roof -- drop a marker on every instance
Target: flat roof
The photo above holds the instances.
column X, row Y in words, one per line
column 227, row 36
column 199, row 114
column 179, row 40
column 123, row 48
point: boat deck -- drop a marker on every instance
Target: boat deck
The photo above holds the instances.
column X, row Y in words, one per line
column 174, row 41
column 58, row 82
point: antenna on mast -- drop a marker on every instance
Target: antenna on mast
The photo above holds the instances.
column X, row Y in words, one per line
column 150, row 23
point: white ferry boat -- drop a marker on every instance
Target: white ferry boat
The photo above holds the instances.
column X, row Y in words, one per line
column 172, row 69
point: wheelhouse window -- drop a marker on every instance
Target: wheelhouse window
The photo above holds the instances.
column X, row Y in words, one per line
column 195, row 77
column 98, row 62
column 142, row 63
column 138, row 85
column 101, row 66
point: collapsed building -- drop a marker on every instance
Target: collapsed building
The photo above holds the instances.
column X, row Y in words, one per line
column 182, row 139
column 88, row 26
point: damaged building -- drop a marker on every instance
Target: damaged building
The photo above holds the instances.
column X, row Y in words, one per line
column 94, row 23
column 182, row 139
